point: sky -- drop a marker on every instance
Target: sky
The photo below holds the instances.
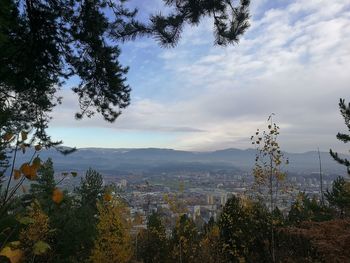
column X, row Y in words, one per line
column 294, row 61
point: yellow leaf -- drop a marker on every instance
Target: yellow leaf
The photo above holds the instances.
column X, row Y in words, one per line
column 24, row 168
column 40, row 248
column 16, row 174
column 15, row 256
column 107, row 197
column 29, row 171
column 26, row 220
column 24, row 135
column 57, row 196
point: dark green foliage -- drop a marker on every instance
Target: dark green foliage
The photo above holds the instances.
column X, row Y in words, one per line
column 345, row 112
column 30, row 65
column 185, row 240
column 42, row 189
column 45, row 43
column 4, row 162
column 152, row 243
column 245, row 231
column 230, row 19
column 74, row 220
column 308, row 209
column 210, row 245
column 278, row 217
column 81, row 226
column 339, row 196
column 207, row 227
column 71, row 235
column 9, row 225
column 90, row 188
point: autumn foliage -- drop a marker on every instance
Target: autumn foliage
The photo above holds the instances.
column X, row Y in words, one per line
column 113, row 242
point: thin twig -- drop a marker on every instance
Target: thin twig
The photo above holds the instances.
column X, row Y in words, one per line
column 12, row 168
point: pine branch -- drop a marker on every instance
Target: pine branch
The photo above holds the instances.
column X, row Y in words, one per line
column 345, row 112
column 340, row 160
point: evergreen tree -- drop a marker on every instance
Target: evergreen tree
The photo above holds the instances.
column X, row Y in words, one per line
column 210, row 245
column 339, row 196
column 345, row 112
column 113, row 242
column 185, row 240
column 42, row 188
column 305, row 208
column 90, row 188
column 74, row 218
column 62, row 215
column 81, row 227
column 153, row 243
column 244, row 231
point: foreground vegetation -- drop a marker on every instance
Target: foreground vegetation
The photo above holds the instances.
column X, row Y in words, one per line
column 93, row 224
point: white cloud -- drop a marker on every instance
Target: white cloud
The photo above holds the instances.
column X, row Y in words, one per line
column 294, row 61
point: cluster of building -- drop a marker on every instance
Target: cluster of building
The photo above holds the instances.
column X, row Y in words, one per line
column 201, row 195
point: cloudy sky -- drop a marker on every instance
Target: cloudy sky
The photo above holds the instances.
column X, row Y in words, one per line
column 294, row 61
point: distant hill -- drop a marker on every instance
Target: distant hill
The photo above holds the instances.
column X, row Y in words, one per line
column 119, row 161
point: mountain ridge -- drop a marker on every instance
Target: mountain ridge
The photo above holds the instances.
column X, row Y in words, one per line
column 125, row 160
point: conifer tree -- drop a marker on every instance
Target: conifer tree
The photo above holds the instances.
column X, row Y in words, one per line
column 339, row 196
column 80, row 230
column 210, row 245
column 306, row 208
column 345, row 112
column 42, row 188
column 185, row 240
column 73, row 217
column 113, row 242
column 244, row 231
column 153, row 243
